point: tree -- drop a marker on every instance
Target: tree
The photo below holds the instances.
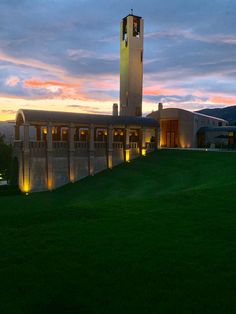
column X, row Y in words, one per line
column 5, row 158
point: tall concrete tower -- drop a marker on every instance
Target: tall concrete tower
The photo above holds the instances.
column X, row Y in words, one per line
column 131, row 65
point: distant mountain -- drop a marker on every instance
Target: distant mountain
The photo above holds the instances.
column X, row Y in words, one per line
column 227, row 113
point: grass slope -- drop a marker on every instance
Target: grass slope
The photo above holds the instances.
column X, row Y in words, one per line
column 157, row 235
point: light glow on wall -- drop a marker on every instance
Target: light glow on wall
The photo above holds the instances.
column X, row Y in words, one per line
column 109, row 162
column 144, row 152
column 26, row 187
column 50, row 184
column 72, row 176
column 127, row 155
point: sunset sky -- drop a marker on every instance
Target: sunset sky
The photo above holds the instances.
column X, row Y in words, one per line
column 64, row 54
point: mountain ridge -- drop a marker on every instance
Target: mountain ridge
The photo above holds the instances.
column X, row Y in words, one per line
column 226, row 113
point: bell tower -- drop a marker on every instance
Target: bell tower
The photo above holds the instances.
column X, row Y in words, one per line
column 131, row 65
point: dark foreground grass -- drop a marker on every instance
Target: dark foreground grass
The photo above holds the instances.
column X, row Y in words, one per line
column 157, row 235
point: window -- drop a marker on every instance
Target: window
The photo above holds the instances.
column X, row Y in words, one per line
column 125, row 29
column 136, row 26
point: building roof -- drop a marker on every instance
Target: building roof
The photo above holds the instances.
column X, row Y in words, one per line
column 132, row 15
column 207, row 116
column 217, row 129
column 194, row 113
column 41, row 116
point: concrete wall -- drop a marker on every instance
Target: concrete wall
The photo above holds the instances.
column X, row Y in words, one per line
column 38, row 165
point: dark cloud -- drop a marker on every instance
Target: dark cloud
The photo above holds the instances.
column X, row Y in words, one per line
column 189, row 45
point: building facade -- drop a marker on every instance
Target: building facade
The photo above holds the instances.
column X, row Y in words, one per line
column 180, row 128
column 223, row 137
column 67, row 147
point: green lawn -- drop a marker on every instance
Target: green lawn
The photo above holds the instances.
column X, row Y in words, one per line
column 157, row 235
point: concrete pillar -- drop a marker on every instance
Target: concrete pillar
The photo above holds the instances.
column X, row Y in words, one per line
column 26, row 136
column 17, row 132
column 127, row 145
column 49, row 157
column 115, row 110
column 72, row 175
column 91, row 150
column 110, row 147
column 26, row 160
column 143, row 142
column 157, row 138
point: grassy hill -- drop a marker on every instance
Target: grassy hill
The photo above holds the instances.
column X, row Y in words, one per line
column 157, row 235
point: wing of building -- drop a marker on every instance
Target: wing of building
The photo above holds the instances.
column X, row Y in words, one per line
column 68, row 146
column 180, row 128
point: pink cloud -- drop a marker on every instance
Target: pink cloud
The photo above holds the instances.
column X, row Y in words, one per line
column 45, row 84
column 12, row 81
column 223, row 100
column 157, row 90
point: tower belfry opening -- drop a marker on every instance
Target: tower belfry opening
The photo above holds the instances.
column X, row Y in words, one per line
column 131, row 65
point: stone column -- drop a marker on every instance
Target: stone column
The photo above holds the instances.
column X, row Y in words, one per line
column 127, row 145
column 72, row 175
column 143, row 142
column 91, row 150
column 49, row 157
column 157, row 138
column 17, row 132
column 110, row 147
column 26, row 159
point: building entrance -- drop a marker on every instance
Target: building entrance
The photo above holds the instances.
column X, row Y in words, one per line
column 169, row 133
column 170, row 139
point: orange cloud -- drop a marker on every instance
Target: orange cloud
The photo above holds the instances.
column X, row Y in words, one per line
column 223, row 100
column 45, row 84
column 157, row 90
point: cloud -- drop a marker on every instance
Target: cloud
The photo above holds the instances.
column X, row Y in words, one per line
column 11, row 112
column 91, row 109
column 158, row 90
column 47, row 53
column 32, row 63
column 223, row 100
column 12, row 81
column 178, row 34
column 46, row 84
